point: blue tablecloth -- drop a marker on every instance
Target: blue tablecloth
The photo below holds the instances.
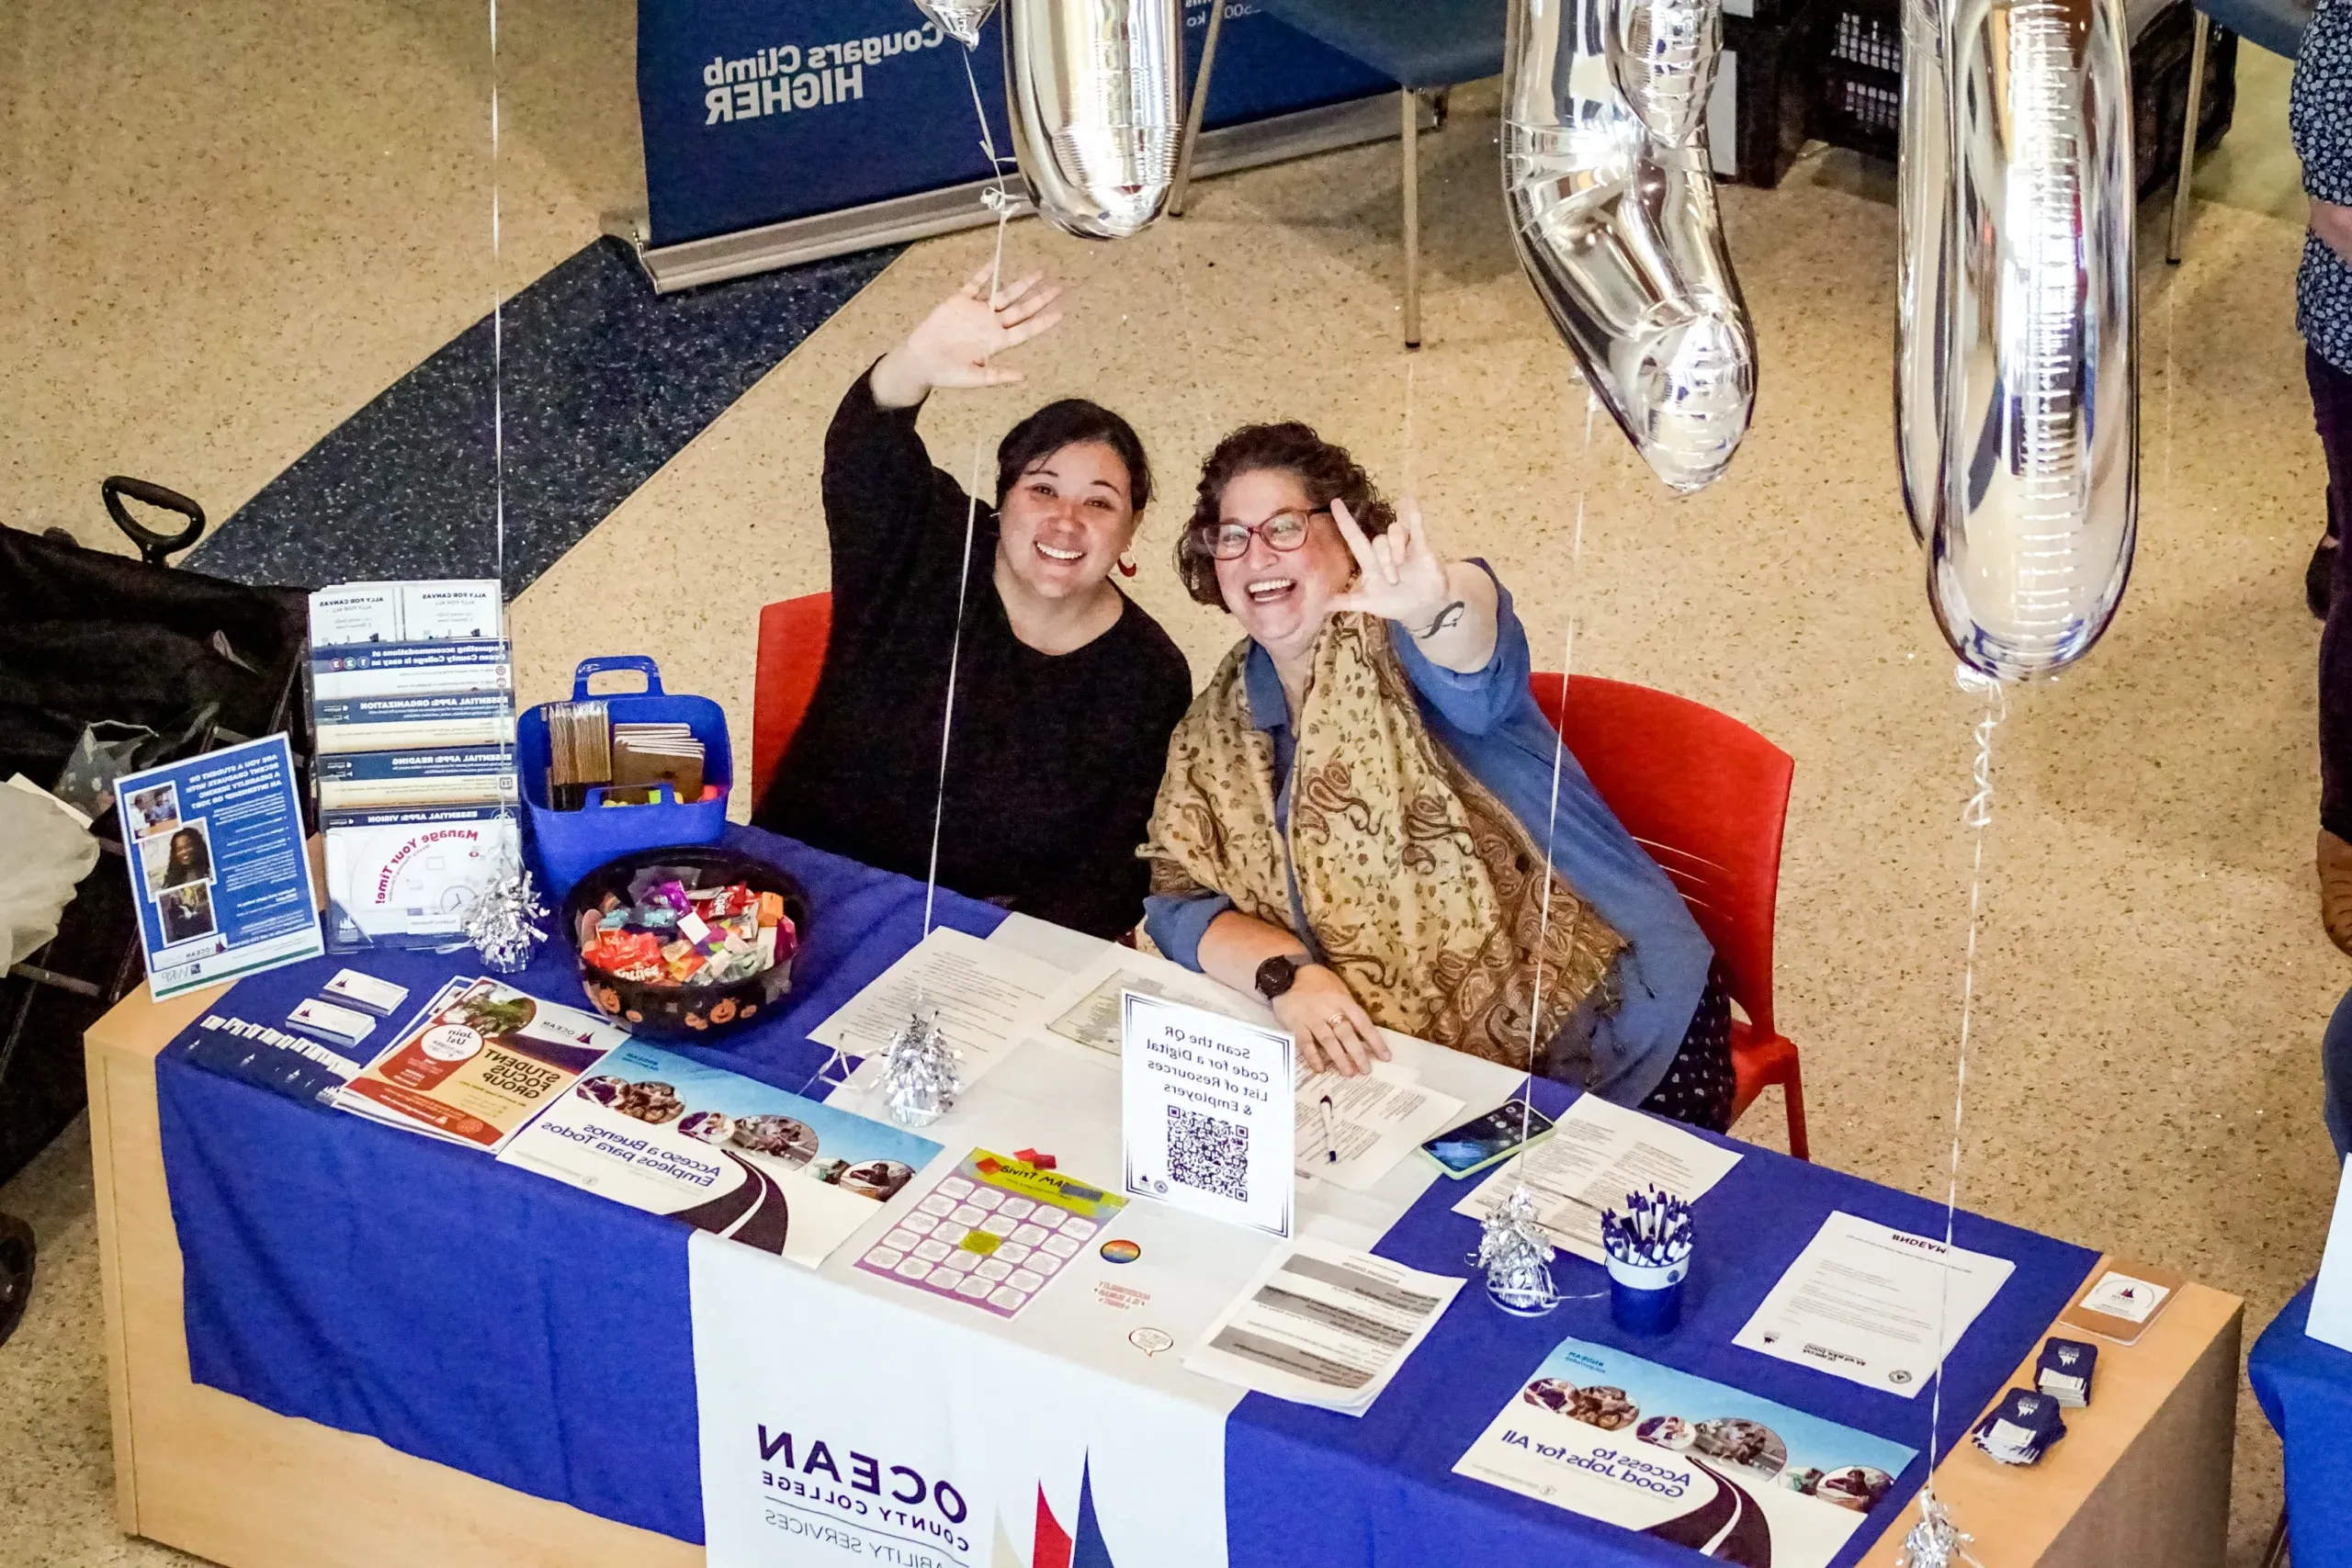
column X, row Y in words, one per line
column 536, row 1335
column 2305, row 1387
column 1384, row 1486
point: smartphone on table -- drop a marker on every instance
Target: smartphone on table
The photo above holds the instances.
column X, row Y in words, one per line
column 1490, row 1139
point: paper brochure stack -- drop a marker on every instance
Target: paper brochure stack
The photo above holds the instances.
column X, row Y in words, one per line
column 413, row 701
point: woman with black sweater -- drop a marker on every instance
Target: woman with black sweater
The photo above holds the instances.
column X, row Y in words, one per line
column 1065, row 690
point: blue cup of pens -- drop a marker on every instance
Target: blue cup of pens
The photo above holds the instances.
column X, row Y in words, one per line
column 1647, row 1244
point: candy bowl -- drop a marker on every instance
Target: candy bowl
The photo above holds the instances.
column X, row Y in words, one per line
column 647, row 943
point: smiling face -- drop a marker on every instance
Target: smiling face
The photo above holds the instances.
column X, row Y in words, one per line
column 1065, row 522
column 1281, row 596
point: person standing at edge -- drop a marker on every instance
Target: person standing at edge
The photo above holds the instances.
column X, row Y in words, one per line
column 2319, row 114
column 1066, row 691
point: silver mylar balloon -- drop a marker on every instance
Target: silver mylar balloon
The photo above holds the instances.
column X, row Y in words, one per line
column 1613, row 205
column 1923, row 264
column 1095, row 89
column 959, row 19
column 2036, row 464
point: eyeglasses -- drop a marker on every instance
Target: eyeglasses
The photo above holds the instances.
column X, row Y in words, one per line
column 1285, row 531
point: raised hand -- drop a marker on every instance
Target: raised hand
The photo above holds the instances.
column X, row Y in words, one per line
column 1448, row 608
column 1399, row 574
column 960, row 343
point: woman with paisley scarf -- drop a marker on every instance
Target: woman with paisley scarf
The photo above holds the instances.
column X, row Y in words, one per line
column 1356, row 812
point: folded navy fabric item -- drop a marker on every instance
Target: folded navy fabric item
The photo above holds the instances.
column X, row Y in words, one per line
column 2063, row 1372
column 2021, row 1428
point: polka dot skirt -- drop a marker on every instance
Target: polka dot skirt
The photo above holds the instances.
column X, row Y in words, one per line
column 1699, row 1085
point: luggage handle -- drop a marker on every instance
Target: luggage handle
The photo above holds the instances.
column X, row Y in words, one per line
column 156, row 549
column 590, row 668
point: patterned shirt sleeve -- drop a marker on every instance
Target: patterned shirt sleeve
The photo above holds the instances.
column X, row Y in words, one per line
column 2319, row 112
column 2319, row 117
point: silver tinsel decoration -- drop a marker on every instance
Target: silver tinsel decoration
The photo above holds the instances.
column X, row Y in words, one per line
column 504, row 922
column 1935, row 1541
column 1517, row 1257
column 921, row 1073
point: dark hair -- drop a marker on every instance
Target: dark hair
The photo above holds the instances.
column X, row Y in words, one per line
column 1066, row 423
column 175, row 873
column 1326, row 471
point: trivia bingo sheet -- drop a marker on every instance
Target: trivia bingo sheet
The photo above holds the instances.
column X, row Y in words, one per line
column 993, row 1233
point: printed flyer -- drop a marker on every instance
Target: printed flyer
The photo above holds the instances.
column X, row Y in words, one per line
column 394, row 877
column 217, row 871
column 993, row 1233
column 481, row 1061
column 721, row 1151
column 1618, row 1438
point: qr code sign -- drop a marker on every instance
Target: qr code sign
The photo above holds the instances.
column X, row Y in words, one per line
column 1209, row 1153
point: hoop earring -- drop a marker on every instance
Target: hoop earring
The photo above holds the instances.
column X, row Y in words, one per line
column 1127, row 566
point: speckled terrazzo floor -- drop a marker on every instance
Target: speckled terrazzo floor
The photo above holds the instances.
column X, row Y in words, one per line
column 2152, row 979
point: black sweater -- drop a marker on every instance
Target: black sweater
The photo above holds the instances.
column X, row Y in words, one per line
column 1054, row 760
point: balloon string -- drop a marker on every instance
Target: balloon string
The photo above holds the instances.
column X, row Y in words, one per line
column 1559, row 753
column 498, row 422
column 1412, row 467
column 497, row 330
column 1977, row 815
column 997, row 199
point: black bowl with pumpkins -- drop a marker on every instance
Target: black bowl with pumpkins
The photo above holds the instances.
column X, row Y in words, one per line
column 684, row 1013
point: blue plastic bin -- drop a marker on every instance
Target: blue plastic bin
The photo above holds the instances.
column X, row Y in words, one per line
column 570, row 844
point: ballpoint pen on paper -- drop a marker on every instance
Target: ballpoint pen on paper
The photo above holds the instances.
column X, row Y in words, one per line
column 1330, row 1140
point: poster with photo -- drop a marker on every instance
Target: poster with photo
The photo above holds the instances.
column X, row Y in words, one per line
column 721, row 1152
column 218, row 873
column 1615, row 1438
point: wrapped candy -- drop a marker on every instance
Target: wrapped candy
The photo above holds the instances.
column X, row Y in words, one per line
column 667, row 933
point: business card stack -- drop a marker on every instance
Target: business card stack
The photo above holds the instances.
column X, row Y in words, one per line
column 630, row 763
column 413, row 699
column 2063, row 1372
column 2021, row 1431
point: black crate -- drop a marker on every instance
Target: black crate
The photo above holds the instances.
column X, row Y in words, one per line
column 1856, row 47
column 1856, row 52
column 1773, row 86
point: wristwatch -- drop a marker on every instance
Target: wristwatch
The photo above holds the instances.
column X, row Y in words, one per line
column 1276, row 976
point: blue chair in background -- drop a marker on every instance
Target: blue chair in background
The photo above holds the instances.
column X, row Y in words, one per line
column 1421, row 45
column 2274, row 25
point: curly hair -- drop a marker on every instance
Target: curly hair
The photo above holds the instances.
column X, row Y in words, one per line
column 1326, row 471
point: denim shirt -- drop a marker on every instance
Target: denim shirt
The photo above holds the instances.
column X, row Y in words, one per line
column 1488, row 721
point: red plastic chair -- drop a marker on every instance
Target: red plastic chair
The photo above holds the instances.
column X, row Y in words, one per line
column 1708, row 797
column 793, row 633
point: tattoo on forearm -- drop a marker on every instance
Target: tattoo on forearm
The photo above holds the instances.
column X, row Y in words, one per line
column 1444, row 620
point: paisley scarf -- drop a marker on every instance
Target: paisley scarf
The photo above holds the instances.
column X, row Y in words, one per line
column 1423, row 891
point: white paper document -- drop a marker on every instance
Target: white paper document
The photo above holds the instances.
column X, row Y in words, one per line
column 1597, row 1153
column 1206, row 1115
column 1322, row 1324
column 1351, row 1131
column 981, row 991
column 2330, row 1321
column 1082, row 1009
column 1863, row 1301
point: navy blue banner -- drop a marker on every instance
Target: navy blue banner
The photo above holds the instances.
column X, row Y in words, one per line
column 756, row 111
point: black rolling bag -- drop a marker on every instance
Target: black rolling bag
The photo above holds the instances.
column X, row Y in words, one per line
column 89, row 637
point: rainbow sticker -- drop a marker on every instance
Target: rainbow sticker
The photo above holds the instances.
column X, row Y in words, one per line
column 1116, row 1251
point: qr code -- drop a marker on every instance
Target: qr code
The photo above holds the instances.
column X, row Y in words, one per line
column 1209, row 1153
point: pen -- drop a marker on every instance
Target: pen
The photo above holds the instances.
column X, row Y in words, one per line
column 1330, row 1144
